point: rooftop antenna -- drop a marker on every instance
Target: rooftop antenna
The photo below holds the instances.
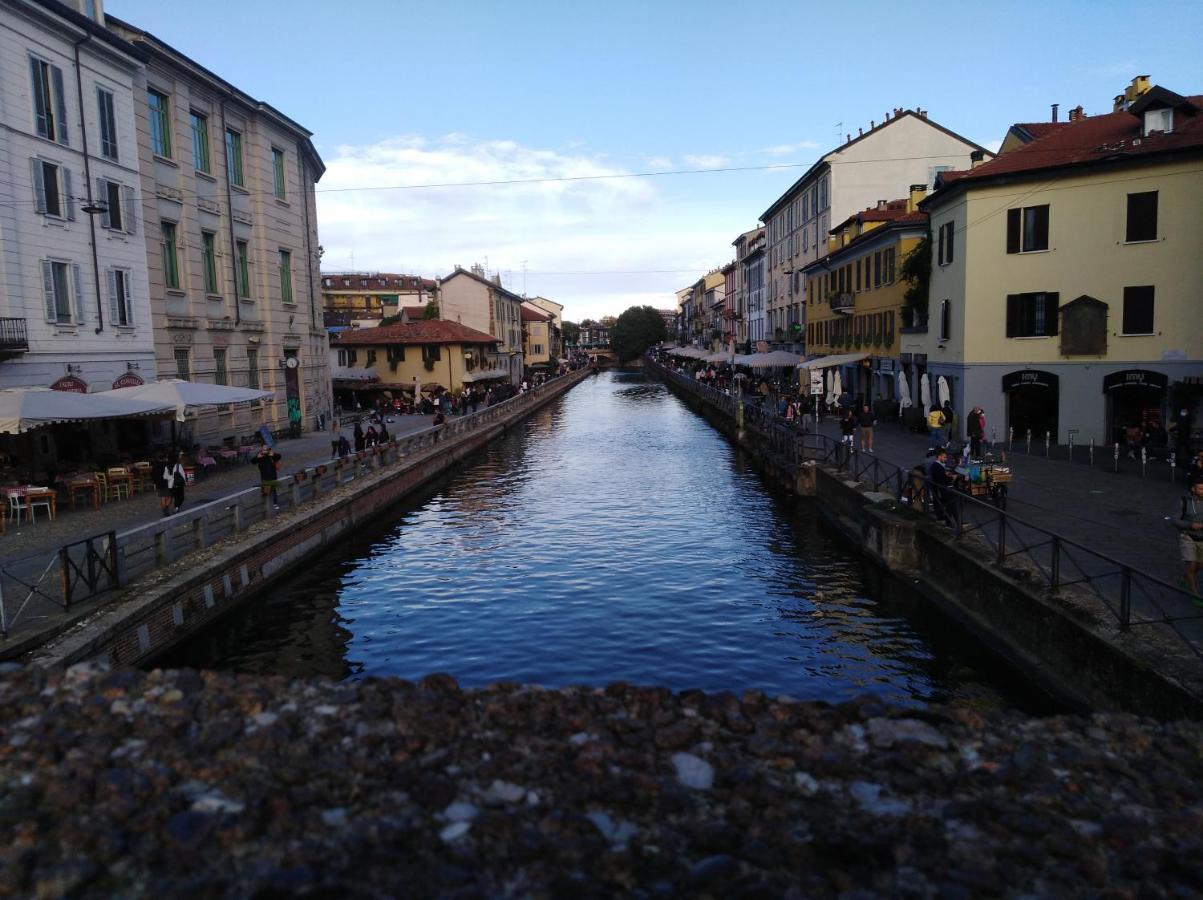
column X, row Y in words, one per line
column 839, row 126
column 524, row 279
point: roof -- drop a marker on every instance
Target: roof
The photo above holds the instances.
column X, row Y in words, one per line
column 1109, row 139
column 1033, row 130
column 893, row 209
column 901, row 222
column 531, row 315
column 493, row 284
column 93, row 29
column 376, row 281
column 414, row 312
column 787, row 196
column 428, row 331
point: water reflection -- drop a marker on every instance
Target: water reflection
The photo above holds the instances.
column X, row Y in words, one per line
column 614, row 536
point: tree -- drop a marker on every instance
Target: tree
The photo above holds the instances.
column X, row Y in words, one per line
column 607, row 321
column 916, row 271
column 572, row 334
column 431, row 311
column 636, row 330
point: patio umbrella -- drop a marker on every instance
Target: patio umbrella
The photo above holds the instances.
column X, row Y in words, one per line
column 942, row 390
column 23, row 409
column 925, row 392
column 830, row 398
column 904, row 393
column 838, row 388
column 188, row 395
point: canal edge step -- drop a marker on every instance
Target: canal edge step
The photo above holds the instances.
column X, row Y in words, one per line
column 167, row 607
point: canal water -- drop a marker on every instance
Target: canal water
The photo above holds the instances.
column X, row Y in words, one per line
column 614, row 536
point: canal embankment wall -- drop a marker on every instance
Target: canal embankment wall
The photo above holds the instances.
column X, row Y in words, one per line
column 225, row 559
column 1057, row 641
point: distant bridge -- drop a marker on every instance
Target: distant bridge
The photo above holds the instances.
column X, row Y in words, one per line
column 603, row 356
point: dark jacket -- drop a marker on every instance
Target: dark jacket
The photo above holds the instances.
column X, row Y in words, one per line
column 268, row 470
column 975, row 425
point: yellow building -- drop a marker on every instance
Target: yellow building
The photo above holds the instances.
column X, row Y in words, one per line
column 536, row 336
column 391, row 359
column 1066, row 296
column 855, row 294
column 351, row 296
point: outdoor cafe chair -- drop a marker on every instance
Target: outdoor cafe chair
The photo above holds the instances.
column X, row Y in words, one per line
column 41, row 498
column 16, row 503
column 118, row 481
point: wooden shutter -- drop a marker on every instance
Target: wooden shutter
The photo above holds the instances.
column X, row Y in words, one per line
column 39, row 185
column 128, row 210
column 78, row 283
column 1142, row 217
column 41, row 122
column 48, row 291
column 1013, row 227
column 127, row 298
column 114, row 301
column 940, row 246
column 1041, row 214
column 1013, row 303
column 1051, row 316
column 60, row 107
column 68, row 193
column 102, row 192
column 951, row 240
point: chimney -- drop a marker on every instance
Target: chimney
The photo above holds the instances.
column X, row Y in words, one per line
column 1056, row 106
column 976, row 158
column 918, row 192
column 881, row 204
column 1076, row 113
column 860, row 132
column 847, row 138
column 872, row 124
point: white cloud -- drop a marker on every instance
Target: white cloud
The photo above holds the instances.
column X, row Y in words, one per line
column 372, row 216
column 790, row 149
column 706, row 161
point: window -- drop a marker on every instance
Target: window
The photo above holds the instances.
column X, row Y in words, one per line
column 209, row 260
column 1027, row 229
column 1032, row 315
column 160, row 123
column 182, row 369
column 234, row 157
column 49, row 101
column 536, row 348
column 1138, row 310
column 244, row 268
column 219, row 366
column 876, row 270
column 200, row 141
column 945, row 243
column 63, row 292
column 121, row 308
column 887, row 264
column 1142, row 217
column 278, row 172
column 945, row 320
column 52, row 189
column 1159, row 120
column 371, row 360
column 108, row 123
column 431, row 353
column 252, row 367
column 119, row 212
column 286, row 276
column 167, row 246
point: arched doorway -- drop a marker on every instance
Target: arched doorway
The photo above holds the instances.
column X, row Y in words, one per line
column 1033, row 399
column 1134, row 397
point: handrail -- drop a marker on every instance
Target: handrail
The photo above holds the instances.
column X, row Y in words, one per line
column 1059, row 561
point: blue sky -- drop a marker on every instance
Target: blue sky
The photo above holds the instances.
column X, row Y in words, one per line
column 401, row 93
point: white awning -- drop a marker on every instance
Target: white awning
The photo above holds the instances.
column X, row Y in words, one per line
column 22, row 409
column 189, row 395
column 486, row 375
column 826, row 362
column 775, row 358
column 346, row 373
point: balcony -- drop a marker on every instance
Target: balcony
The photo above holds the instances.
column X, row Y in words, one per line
column 14, row 339
column 842, row 303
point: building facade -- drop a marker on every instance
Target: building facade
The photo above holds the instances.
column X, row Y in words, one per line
column 75, row 311
column 468, row 297
column 906, row 148
column 230, row 238
column 373, row 295
column 537, row 329
column 1065, row 292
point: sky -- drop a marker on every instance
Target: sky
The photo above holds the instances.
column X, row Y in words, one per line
column 408, row 101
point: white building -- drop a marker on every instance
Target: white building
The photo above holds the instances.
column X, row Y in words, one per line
column 74, row 299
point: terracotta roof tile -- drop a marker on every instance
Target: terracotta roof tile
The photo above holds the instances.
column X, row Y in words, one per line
column 428, row 331
column 529, row 315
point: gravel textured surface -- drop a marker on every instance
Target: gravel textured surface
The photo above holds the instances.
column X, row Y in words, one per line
column 186, row 784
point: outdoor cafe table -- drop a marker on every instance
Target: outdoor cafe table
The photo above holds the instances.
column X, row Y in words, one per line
column 116, row 477
column 32, row 493
column 86, row 484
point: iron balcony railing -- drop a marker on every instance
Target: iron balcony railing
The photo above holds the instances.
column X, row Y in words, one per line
column 14, row 337
column 842, row 303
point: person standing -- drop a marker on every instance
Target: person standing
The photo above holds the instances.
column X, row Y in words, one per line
column 159, row 472
column 935, row 426
column 358, row 436
column 847, row 429
column 269, row 473
column 941, row 485
column 335, row 437
column 1190, row 538
column 976, row 429
column 865, row 422
column 176, row 478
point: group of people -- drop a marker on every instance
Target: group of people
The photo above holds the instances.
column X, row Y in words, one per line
column 1150, row 437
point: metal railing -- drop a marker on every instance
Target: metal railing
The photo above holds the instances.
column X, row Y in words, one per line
column 1043, row 559
column 14, row 336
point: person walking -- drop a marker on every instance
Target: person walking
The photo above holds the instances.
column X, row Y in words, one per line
column 847, row 429
column 935, row 426
column 335, row 437
column 1190, row 538
column 175, row 478
column 269, row 473
column 357, row 434
column 865, row 421
column 159, row 472
column 976, row 429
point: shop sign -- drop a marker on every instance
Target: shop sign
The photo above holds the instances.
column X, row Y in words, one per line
column 129, row 379
column 816, row 382
column 71, row 385
column 1141, row 378
column 1029, row 378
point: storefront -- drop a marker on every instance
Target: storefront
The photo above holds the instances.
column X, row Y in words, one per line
column 1134, row 397
column 1033, row 400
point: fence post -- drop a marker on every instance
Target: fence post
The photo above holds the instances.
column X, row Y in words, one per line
column 199, row 533
column 237, row 508
column 1002, row 538
column 295, row 493
column 1055, row 574
column 117, row 560
column 3, row 615
column 1125, row 599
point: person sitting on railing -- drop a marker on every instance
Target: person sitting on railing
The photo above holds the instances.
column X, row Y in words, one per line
column 941, row 485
